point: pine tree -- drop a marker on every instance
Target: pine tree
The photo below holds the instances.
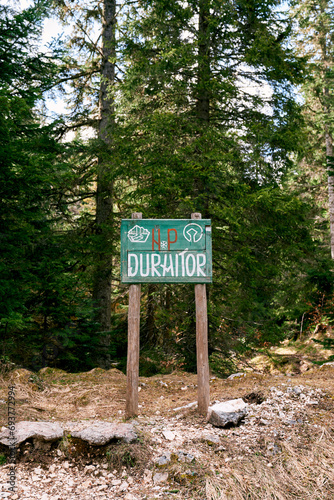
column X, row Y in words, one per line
column 315, row 40
column 208, row 102
column 43, row 304
column 91, row 75
column 104, row 193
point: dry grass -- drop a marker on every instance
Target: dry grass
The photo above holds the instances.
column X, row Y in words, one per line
column 296, row 473
column 134, row 457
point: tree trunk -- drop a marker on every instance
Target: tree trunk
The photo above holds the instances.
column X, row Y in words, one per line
column 203, row 99
column 104, row 193
column 151, row 338
column 326, row 61
column 330, row 170
column 203, row 77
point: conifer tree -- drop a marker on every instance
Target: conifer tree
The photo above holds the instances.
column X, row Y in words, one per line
column 315, row 41
column 90, row 74
column 43, row 304
column 208, row 101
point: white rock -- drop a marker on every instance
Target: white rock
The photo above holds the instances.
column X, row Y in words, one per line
column 124, row 486
column 236, row 375
column 229, row 412
column 160, row 477
column 211, row 439
column 147, row 476
column 129, row 496
column 116, row 482
column 168, row 435
column 101, row 433
column 42, row 431
column 190, row 405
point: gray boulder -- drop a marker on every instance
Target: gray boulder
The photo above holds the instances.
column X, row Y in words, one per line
column 227, row 413
column 102, row 433
column 38, row 431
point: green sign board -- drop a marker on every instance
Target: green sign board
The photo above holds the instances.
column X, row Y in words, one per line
column 166, row 251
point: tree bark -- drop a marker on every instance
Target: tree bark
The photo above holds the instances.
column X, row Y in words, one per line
column 132, row 365
column 203, row 101
column 328, row 136
column 151, row 338
column 203, row 377
column 203, row 77
column 330, row 181
column 104, row 192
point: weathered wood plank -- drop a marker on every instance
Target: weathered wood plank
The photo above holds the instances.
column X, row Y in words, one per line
column 132, row 368
column 203, row 387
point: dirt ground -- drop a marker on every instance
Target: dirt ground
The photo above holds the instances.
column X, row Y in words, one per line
column 284, row 449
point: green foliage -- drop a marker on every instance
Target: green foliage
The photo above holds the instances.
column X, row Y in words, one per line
column 221, row 364
column 45, row 310
column 313, row 38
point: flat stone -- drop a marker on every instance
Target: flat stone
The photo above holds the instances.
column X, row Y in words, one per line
column 124, row 486
column 291, row 422
column 147, row 476
column 116, row 482
column 183, row 457
column 163, row 460
column 102, row 433
column 168, row 435
column 211, row 439
column 227, row 413
column 160, row 477
column 39, row 431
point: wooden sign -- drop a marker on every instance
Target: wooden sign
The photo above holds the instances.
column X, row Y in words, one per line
column 166, row 251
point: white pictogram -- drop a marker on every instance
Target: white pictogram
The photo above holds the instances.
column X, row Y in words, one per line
column 193, row 232
column 164, row 245
column 138, row 234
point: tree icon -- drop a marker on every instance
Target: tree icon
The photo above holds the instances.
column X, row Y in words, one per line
column 193, row 232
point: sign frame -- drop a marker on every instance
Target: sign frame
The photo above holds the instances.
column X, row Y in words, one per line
column 166, row 251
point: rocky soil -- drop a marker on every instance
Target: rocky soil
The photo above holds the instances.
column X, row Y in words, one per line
column 282, row 449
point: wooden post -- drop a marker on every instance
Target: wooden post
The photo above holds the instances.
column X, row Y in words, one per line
column 203, row 387
column 132, row 367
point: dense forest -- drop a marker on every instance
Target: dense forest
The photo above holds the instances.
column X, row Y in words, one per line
column 223, row 107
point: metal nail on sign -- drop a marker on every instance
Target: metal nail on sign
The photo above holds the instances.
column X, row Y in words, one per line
column 166, row 251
